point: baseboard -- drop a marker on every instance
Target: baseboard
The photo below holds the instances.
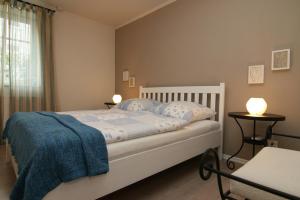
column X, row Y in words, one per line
column 235, row 159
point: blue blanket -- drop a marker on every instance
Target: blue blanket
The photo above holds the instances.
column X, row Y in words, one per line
column 51, row 149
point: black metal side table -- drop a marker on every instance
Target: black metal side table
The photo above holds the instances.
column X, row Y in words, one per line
column 109, row 105
column 254, row 140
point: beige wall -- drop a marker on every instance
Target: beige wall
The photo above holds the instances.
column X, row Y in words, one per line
column 204, row 42
column 84, row 57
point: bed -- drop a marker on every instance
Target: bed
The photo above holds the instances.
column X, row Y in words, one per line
column 133, row 160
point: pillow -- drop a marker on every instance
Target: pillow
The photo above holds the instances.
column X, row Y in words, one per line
column 138, row 105
column 185, row 110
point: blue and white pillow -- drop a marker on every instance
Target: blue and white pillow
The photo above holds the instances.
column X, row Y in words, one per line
column 185, row 110
column 138, row 105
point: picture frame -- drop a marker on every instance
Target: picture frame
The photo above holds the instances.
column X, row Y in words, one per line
column 125, row 75
column 131, row 82
column 256, row 74
column 281, row 59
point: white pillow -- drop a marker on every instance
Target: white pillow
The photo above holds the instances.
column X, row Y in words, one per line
column 185, row 110
column 138, row 105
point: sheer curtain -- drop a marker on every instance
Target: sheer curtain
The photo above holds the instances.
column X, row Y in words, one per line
column 26, row 71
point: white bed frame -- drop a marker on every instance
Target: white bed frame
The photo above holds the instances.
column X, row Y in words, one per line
column 131, row 169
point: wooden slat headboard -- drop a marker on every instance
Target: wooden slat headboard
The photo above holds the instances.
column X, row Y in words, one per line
column 210, row 96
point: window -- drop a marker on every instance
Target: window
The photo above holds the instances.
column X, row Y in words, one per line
column 26, row 66
column 16, row 48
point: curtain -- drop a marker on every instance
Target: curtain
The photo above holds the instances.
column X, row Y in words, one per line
column 26, row 71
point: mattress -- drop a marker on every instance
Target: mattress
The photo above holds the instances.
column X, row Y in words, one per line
column 126, row 148
column 272, row 167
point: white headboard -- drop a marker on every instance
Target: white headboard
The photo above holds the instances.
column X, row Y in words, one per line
column 210, row 96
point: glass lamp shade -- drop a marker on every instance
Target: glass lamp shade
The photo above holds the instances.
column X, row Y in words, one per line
column 256, row 106
column 117, row 98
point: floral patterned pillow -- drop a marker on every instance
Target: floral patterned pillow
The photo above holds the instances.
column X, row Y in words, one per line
column 185, row 110
column 138, row 105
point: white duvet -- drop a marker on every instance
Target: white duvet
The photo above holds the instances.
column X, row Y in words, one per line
column 118, row 125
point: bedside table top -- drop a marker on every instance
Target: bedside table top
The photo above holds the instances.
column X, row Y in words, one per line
column 110, row 103
column 264, row 117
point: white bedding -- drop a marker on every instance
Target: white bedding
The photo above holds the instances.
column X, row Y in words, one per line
column 119, row 125
column 128, row 132
column 129, row 147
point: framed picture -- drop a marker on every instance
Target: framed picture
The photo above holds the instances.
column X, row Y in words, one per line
column 132, row 82
column 125, row 75
column 256, row 74
column 281, row 59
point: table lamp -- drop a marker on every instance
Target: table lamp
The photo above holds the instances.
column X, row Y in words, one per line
column 256, row 106
column 117, row 98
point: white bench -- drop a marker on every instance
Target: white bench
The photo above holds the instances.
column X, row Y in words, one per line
column 273, row 174
column 275, row 168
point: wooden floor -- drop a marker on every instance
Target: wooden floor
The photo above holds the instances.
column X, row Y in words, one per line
column 181, row 182
column 7, row 177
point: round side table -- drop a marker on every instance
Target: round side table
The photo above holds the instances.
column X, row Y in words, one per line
column 254, row 140
column 109, row 105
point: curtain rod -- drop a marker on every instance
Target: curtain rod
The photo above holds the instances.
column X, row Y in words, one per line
column 40, row 4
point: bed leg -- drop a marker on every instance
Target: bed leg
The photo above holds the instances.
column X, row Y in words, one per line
column 209, row 163
column 220, row 152
column 6, row 151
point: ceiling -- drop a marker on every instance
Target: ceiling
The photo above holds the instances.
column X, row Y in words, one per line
column 111, row 12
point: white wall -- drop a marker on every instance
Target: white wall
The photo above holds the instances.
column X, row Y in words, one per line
column 84, row 58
